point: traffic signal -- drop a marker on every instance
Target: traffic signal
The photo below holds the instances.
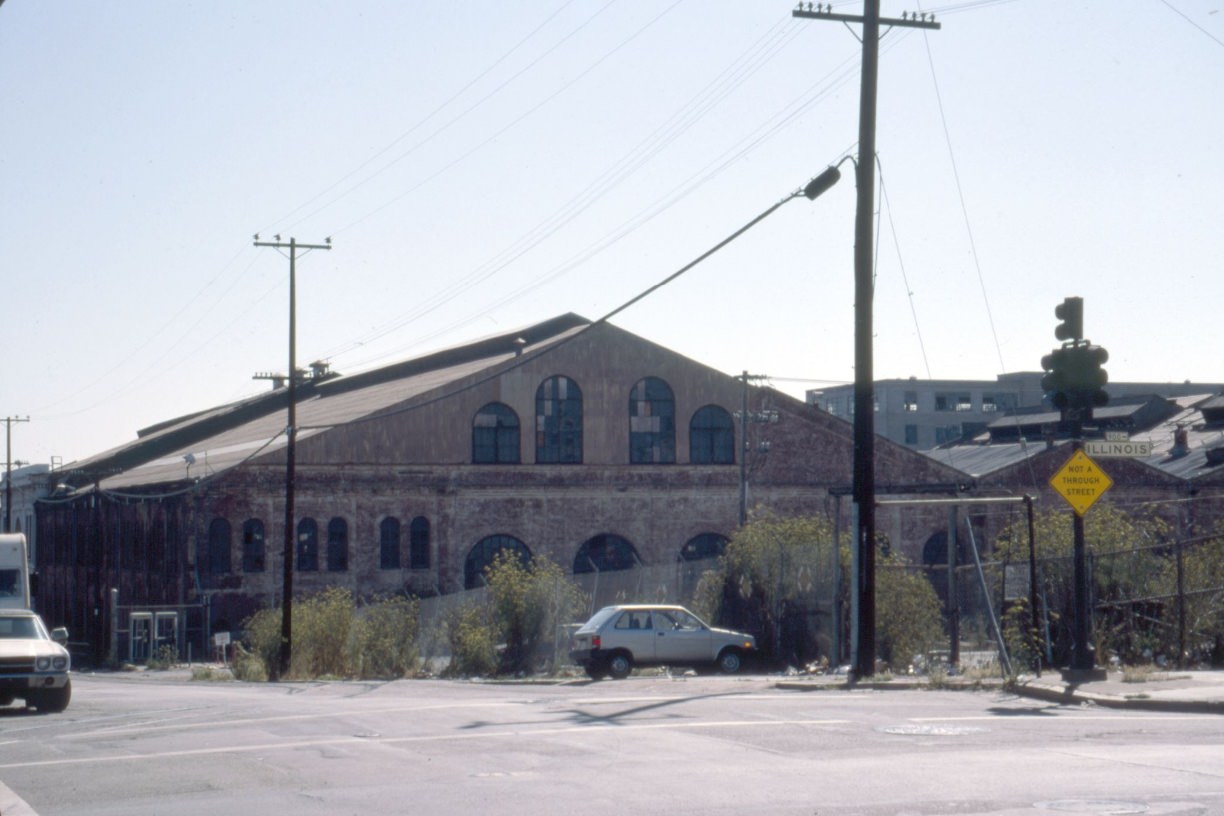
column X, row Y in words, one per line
column 1055, row 383
column 1074, row 380
column 1089, row 377
column 1071, row 316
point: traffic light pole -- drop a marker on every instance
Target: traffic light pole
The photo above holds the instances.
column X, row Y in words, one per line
column 1074, row 383
column 1082, row 658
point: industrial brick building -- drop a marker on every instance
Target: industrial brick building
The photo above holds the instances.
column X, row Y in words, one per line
column 576, row 441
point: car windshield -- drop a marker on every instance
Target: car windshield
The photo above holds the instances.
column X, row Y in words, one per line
column 16, row 628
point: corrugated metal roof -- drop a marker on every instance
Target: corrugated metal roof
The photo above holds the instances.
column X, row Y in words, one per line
column 221, row 438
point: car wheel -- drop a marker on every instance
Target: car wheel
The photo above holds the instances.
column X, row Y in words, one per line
column 595, row 671
column 729, row 662
column 53, row 700
column 619, row 666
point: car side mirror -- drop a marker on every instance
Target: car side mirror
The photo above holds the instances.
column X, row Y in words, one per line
column 60, row 635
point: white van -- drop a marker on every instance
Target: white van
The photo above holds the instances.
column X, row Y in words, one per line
column 14, row 572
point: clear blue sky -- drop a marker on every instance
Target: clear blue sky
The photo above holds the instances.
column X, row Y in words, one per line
column 482, row 166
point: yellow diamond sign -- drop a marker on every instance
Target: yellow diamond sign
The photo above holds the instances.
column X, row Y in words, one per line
column 1080, row 482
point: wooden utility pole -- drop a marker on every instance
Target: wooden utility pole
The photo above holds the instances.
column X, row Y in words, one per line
column 286, row 646
column 8, row 470
column 863, row 550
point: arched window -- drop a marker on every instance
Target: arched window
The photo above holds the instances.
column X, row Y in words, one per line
column 558, row 421
column 389, row 543
column 219, row 541
column 605, row 553
column 485, row 552
column 418, row 543
column 706, row 545
column 711, row 437
column 337, row 545
column 495, row 435
column 252, row 546
column 652, row 423
column 308, row 545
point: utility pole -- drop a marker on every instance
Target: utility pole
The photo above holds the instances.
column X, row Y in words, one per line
column 864, row 646
column 286, row 646
column 8, row 468
column 747, row 418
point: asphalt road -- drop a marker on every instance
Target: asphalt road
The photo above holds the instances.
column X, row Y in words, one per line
column 717, row 745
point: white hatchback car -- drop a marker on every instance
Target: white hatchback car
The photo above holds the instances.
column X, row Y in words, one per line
column 33, row 664
column 619, row 638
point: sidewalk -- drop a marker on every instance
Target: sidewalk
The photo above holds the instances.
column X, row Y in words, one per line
column 1174, row 691
column 1186, row 691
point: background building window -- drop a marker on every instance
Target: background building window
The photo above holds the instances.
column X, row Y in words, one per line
column 706, row 545
column 911, row 402
column 495, row 435
column 558, row 421
column 418, row 544
column 652, row 423
column 711, row 437
column 911, row 435
column 308, row 545
column 337, row 545
column 253, row 546
column 219, row 542
column 389, row 543
column 605, row 553
column 484, row 554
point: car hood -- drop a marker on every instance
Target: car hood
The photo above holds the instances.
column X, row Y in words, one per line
column 30, row 648
column 731, row 633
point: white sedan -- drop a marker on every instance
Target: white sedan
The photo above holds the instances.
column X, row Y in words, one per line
column 33, row 663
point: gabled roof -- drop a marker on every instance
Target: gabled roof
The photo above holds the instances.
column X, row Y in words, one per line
column 217, row 439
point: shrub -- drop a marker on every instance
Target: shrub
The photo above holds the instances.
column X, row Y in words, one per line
column 473, row 642
column 384, row 639
column 332, row 638
column 321, row 627
column 510, row 631
column 164, row 658
column 909, row 621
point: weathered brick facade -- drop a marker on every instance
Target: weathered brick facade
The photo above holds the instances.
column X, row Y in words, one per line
column 363, row 460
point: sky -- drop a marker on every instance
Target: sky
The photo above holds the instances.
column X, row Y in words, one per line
column 483, row 166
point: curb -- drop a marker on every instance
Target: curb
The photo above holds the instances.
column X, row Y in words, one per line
column 1072, row 695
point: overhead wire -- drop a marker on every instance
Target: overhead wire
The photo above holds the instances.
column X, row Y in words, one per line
column 448, row 124
column 1185, row 17
column 612, row 176
column 786, row 116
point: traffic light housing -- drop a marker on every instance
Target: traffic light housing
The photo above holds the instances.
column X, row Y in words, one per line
column 1055, row 383
column 1074, row 381
column 1070, row 313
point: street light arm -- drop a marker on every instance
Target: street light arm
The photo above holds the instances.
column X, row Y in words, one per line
column 818, row 185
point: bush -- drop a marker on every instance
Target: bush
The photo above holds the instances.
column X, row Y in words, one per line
column 322, row 624
column 510, row 632
column 473, row 642
column 384, row 640
column 333, row 638
column 909, row 621
column 164, row 658
column 773, row 571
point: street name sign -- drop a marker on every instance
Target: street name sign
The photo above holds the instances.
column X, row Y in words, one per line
column 1115, row 447
column 1080, row 482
